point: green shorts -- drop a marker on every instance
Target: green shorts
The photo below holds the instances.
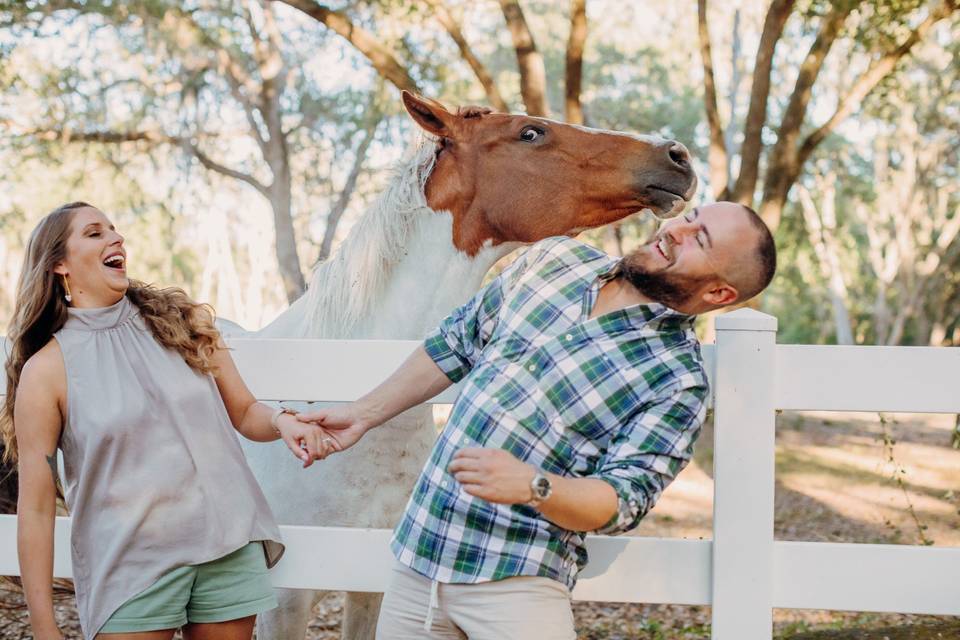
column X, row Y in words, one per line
column 234, row 586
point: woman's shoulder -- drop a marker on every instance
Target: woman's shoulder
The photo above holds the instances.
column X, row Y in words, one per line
column 45, row 367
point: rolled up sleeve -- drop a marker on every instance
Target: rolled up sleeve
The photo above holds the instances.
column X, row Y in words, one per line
column 455, row 345
column 649, row 452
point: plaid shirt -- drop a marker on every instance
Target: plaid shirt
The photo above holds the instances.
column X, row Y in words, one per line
column 620, row 397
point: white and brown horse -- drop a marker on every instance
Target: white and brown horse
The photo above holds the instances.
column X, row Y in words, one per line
column 475, row 187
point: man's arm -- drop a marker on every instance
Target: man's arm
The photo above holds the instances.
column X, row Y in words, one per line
column 447, row 355
column 415, row 381
column 639, row 463
column 495, row 475
column 649, row 452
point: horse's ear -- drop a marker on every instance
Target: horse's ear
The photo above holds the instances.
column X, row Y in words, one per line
column 432, row 116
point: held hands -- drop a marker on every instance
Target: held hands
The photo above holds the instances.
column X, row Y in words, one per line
column 493, row 475
column 308, row 442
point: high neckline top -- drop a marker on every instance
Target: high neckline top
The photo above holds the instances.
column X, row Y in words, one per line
column 101, row 318
column 154, row 476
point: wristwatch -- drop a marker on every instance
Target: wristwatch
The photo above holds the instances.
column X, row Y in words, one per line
column 540, row 489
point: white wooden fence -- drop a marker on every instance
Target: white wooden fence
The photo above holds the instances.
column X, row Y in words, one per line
column 743, row 573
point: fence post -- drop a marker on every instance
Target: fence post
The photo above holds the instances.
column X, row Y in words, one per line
column 743, row 475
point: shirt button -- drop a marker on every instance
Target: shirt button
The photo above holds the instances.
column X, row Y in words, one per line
column 532, row 367
column 568, row 337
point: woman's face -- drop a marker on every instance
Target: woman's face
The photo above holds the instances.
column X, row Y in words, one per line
column 95, row 266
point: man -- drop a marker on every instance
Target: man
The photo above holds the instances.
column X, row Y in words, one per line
column 583, row 394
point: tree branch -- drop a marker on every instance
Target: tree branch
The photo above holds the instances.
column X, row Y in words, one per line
column 446, row 20
column 67, row 135
column 154, row 137
column 573, row 110
column 533, row 74
column 876, row 72
column 213, row 165
column 773, row 25
column 717, row 154
column 365, row 42
column 343, row 201
column 733, row 97
column 783, row 165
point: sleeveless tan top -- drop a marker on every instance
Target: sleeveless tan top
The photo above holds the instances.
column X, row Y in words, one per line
column 154, row 475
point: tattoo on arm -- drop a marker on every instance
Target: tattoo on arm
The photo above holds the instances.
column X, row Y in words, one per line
column 52, row 461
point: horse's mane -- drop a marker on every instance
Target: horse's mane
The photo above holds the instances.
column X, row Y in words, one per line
column 342, row 287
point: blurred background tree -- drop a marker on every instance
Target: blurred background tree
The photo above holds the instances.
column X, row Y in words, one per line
column 236, row 141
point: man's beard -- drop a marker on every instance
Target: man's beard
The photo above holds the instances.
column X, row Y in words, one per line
column 672, row 290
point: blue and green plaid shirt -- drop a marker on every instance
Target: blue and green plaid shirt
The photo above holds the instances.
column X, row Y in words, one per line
column 620, row 397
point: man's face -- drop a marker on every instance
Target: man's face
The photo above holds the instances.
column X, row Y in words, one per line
column 693, row 262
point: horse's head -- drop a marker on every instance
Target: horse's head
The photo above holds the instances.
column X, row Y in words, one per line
column 518, row 178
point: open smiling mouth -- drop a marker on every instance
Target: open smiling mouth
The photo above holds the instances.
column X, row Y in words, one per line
column 664, row 248
column 116, row 262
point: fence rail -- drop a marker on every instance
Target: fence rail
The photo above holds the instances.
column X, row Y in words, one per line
column 742, row 573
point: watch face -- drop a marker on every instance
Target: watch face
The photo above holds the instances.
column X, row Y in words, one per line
column 541, row 486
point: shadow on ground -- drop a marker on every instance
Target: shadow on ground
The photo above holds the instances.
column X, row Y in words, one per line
column 937, row 631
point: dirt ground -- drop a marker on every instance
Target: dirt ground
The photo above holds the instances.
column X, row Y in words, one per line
column 836, row 481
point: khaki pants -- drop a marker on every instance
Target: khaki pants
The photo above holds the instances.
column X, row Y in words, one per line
column 522, row 608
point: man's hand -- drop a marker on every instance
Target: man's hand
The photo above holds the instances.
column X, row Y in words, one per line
column 308, row 442
column 493, row 475
column 346, row 423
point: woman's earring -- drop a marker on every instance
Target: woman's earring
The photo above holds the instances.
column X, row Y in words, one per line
column 66, row 287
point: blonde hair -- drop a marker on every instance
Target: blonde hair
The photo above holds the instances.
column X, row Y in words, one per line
column 176, row 321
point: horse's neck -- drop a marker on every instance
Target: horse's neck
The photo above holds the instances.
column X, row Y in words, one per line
column 430, row 279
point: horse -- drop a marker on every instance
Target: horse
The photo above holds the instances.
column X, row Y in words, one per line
column 475, row 186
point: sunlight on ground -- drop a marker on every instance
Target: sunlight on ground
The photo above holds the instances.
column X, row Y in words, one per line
column 835, row 481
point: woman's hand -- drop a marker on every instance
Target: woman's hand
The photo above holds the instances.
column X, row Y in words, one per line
column 307, row 441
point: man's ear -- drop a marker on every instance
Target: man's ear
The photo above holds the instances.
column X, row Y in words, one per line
column 432, row 116
column 721, row 294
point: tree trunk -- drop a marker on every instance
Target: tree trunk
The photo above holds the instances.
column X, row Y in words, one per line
column 783, row 166
column 752, row 145
column 717, row 154
column 789, row 156
column 733, row 97
column 822, row 228
column 365, row 42
column 446, row 19
column 573, row 110
column 533, row 74
column 343, row 201
column 281, row 198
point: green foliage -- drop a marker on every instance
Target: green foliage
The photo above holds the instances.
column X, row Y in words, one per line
column 158, row 65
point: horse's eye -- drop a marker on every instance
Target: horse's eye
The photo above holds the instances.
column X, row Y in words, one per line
column 531, row 134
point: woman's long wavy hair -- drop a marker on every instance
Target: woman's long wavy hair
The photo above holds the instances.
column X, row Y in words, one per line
column 176, row 321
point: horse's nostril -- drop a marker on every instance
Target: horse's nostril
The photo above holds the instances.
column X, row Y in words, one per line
column 679, row 155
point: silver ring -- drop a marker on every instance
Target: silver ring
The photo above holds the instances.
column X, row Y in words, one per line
column 327, row 441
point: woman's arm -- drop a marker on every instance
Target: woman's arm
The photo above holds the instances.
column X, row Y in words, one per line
column 37, row 419
column 252, row 419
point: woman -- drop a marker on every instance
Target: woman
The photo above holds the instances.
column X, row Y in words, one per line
column 135, row 387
